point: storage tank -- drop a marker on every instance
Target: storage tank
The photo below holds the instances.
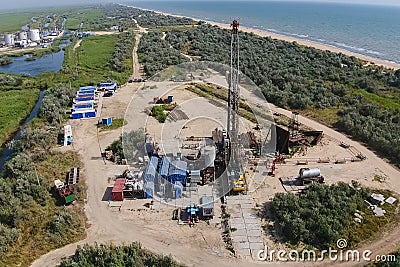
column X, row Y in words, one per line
column 22, row 36
column 309, row 173
column 9, row 39
column 34, row 35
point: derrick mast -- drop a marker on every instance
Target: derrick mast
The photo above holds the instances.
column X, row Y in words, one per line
column 234, row 166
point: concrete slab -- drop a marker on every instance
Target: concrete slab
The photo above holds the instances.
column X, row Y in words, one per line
column 241, row 232
column 254, row 239
column 256, row 246
column 238, row 226
column 250, row 221
column 236, row 220
column 248, row 215
column 247, row 205
column 236, row 215
column 242, row 246
column 239, row 239
column 254, row 226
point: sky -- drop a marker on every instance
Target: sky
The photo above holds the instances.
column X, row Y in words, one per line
column 18, row 4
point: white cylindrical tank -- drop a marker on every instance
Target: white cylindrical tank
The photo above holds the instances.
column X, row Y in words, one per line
column 9, row 39
column 34, row 35
column 309, row 173
column 22, row 36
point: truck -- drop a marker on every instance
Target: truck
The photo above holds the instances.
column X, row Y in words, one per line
column 239, row 185
column 310, row 175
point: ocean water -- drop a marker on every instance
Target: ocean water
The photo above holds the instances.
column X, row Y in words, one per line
column 370, row 30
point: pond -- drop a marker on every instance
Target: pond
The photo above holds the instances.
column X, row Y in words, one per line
column 48, row 63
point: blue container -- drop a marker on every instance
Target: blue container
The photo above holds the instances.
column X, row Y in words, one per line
column 106, row 121
column 77, row 115
column 80, row 94
column 83, row 98
column 177, row 172
column 82, row 106
column 170, row 98
column 90, row 114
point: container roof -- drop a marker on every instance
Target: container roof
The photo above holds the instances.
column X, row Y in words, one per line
column 119, row 185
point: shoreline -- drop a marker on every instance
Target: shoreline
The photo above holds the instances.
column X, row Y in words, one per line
column 277, row 36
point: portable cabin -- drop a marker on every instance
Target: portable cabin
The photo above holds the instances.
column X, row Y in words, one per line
column 90, row 88
column 84, row 113
column 83, row 98
column 67, row 135
column 108, row 86
column 83, row 94
column 177, row 172
column 106, row 121
column 83, row 106
column 117, row 193
column 207, row 207
column 83, row 102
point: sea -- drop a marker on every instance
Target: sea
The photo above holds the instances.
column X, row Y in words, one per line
column 370, row 30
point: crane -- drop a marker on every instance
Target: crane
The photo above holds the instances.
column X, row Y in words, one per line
column 234, row 168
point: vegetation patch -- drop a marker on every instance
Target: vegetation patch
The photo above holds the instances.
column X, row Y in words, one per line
column 159, row 113
column 383, row 101
column 32, row 222
column 15, row 107
column 83, row 19
column 321, row 214
column 116, row 123
column 129, row 146
column 12, row 21
column 111, row 255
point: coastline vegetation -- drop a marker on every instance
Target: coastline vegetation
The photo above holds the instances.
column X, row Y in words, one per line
column 126, row 255
column 320, row 215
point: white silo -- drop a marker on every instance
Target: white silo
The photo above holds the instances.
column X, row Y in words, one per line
column 9, row 39
column 34, row 35
column 22, row 36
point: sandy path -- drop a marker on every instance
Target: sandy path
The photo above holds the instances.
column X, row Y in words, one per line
column 78, row 43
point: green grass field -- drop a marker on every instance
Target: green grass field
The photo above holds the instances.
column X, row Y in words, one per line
column 10, row 22
column 382, row 101
column 86, row 16
column 15, row 106
column 88, row 64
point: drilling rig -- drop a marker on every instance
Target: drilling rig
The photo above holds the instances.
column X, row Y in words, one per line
column 233, row 162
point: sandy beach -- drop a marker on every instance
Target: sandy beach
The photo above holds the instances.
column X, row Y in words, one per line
column 376, row 61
